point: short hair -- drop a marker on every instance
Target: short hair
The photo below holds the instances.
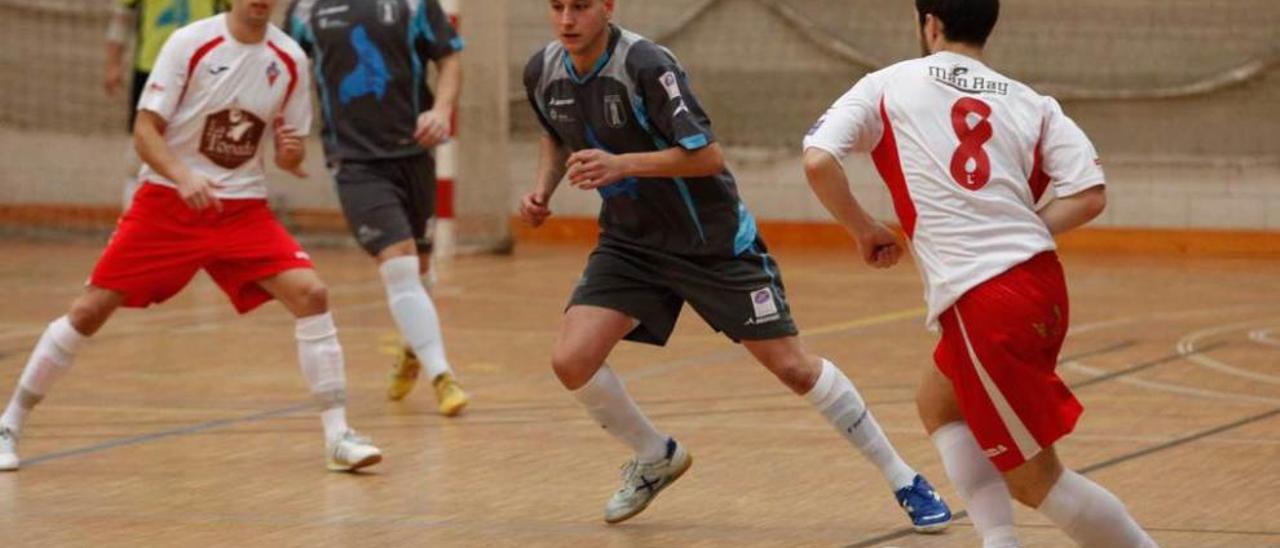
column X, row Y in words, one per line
column 965, row 21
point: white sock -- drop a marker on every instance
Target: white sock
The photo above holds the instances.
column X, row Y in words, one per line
column 51, row 359
column 836, row 398
column 985, row 494
column 1091, row 515
column 607, row 402
column 414, row 313
column 322, row 364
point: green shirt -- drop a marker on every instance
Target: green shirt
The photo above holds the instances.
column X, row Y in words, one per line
column 157, row 19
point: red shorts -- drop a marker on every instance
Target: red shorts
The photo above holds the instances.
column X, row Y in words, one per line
column 160, row 244
column 999, row 347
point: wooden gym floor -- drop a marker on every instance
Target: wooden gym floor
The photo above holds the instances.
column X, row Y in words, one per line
column 184, row 425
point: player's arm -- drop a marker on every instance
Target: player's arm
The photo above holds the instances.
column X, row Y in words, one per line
column 594, row 168
column 148, row 137
column 676, row 118
column 552, row 160
column 119, row 27
column 1070, row 212
column 852, row 124
column 293, row 124
column 1071, row 162
column 879, row 245
column 443, row 46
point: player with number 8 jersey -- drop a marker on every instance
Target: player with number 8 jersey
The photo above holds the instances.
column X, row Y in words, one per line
column 967, row 154
column 983, row 171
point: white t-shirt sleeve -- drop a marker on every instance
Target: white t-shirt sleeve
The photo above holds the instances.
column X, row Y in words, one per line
column 297, row 111
column 852, row 124
column 168, row 77
column 1068, row 156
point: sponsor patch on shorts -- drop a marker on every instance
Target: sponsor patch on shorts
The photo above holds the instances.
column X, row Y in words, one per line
column 763, row 305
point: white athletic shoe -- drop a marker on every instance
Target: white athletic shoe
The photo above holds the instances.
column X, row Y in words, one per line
column 8, row 450
column 351, row 452
column 642, row 481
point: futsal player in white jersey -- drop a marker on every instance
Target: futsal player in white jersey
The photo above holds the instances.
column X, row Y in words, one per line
column 220, row 85
column 983, row 172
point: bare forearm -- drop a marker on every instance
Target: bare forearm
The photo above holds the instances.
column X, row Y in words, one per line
column 675, row 162
column 449, row 84
column 551, row 166
column 830, row 184
column 148, row 138
column 1070, row 212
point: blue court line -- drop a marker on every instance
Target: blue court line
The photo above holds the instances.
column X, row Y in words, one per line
column 144, row 438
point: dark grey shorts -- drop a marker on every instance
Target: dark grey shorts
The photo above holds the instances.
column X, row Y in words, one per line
column 742, row 296
column 388, row 201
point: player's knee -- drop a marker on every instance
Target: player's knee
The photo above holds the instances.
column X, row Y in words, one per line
column 1029, row 492
column 87, row 315
column 313, row 298
column 571, row 367
column 796, row 370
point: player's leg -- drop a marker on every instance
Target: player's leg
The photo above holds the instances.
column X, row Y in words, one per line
column 320, row 356
column 617, row 299
column 587, row 335
column 387, row 205
column 983, row 489
column 148, row 260
column 1006, row 336
column 401, row 268
column 50, row 360
column 744, row 297
column 835, row 397
column 1087, row 512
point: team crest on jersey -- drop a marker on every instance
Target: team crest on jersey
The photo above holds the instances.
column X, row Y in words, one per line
column 230, row 137
column 273, row 72
column 614, row 112
column 387, row 11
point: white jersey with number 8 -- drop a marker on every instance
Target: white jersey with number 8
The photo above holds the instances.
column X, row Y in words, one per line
column 967, row 154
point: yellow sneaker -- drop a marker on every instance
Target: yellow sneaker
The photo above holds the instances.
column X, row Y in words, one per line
column 449, row 395
column 404, row 375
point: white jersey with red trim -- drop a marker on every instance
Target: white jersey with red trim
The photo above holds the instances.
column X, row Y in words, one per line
column 968, row 155
column 220, row 99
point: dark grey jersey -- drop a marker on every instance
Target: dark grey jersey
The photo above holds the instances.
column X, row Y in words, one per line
column 637, row 99
column 370, row 60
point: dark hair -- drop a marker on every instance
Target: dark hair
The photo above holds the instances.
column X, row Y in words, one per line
column 965, row 21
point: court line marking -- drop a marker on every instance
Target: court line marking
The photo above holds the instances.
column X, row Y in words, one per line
column 1142, row 366
column 1230, row 397
column 1263, row 336
column 221, row 423
column 1171, row 444
column 1189, row 342
column 174, row 432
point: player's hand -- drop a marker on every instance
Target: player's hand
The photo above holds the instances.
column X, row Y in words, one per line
column 533, row 209
column 113, row 80
column 199, row 192
column 290, row 149
column 594, row 168
column 432, row 128
column 879, row 246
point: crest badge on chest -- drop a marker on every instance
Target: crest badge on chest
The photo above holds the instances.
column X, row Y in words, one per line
column 388, row 11
column 615, row 112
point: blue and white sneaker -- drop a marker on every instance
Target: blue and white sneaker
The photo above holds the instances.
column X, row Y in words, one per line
column 928, row 512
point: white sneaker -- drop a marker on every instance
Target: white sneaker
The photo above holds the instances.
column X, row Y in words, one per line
column 642, row 481
column 351, row 452
column 8, row 450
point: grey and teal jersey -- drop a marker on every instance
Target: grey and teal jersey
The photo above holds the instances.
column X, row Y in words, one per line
column 370, row 59
column 637, row 99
